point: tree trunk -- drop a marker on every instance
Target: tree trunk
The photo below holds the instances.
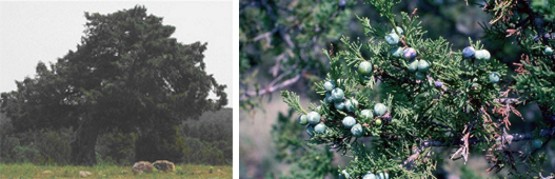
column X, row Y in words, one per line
column 82, row 148
column 160, row 142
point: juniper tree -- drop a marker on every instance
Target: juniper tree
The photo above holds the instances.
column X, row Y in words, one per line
column 127, row 73
column 393, row 104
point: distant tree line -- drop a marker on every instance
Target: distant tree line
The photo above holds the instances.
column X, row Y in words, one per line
column 206, row 140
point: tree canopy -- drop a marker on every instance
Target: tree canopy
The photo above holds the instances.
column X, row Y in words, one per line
column 127, row 73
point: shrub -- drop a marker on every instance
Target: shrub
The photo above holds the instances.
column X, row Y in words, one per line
column 444, row 101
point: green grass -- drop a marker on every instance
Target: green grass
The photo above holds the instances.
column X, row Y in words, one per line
column 24, row 171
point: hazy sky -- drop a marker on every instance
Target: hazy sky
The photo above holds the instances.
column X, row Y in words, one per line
column 44, row 31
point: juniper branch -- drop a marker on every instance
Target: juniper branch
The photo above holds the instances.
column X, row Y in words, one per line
column 515, row 137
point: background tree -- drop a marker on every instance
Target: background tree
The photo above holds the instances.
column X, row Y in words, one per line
column 127, row 74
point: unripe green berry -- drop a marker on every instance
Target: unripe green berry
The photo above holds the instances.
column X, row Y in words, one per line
column 320, row 128
column 366, row 114
column 380, row 109
column 337, row 94
column 378, row 122
column 423, row 66
column 493, row 77
column 365, row 68
column 328, row 85
column 548, row 51
column 303, row 120
column 482, row 54
column 313, row 117
column 413, row 66
column 357, row 130
column 348, row 122
column 392, row 38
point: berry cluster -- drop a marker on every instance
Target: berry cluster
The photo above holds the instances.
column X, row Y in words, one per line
column 336, row 99
column 483, row 54
column 385, row 97
column 419, row 66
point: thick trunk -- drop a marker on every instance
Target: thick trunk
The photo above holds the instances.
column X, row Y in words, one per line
column 82, row 148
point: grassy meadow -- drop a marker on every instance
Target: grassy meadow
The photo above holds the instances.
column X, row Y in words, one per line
column 25, row 171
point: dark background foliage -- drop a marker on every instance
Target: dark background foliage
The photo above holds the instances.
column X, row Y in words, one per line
column 206, row 140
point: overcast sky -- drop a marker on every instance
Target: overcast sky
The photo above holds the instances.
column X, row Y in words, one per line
column 44, row 31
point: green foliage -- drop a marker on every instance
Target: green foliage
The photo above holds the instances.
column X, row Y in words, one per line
column 41, row 147
column 467, row 111
column 194, row 144
column 127, row 74
column 544, row 7
column 308, row 160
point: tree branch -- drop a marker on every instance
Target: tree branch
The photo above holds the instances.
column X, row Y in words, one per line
column 515, row 137
column 272, row 87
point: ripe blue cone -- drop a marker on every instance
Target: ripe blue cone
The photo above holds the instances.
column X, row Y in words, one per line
column 548, row 51
column 423, row 66
column 468, row 52
column 328, row 85
column 409, row 53
column 366, row 114
column 313, row 117
column 303, row 119
column 320, row 128
column 339, row 105
column 380, row 109
column 369, row 175
column 482, row 54
column 399, row 29
column 337, row 94
column 493, row 77
column 357, row 130
column 348, row 122
column 413, row 66
column 383, row 175
column 438, row 84
column 392, row 38
column 351, row 105
column 365, row 68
